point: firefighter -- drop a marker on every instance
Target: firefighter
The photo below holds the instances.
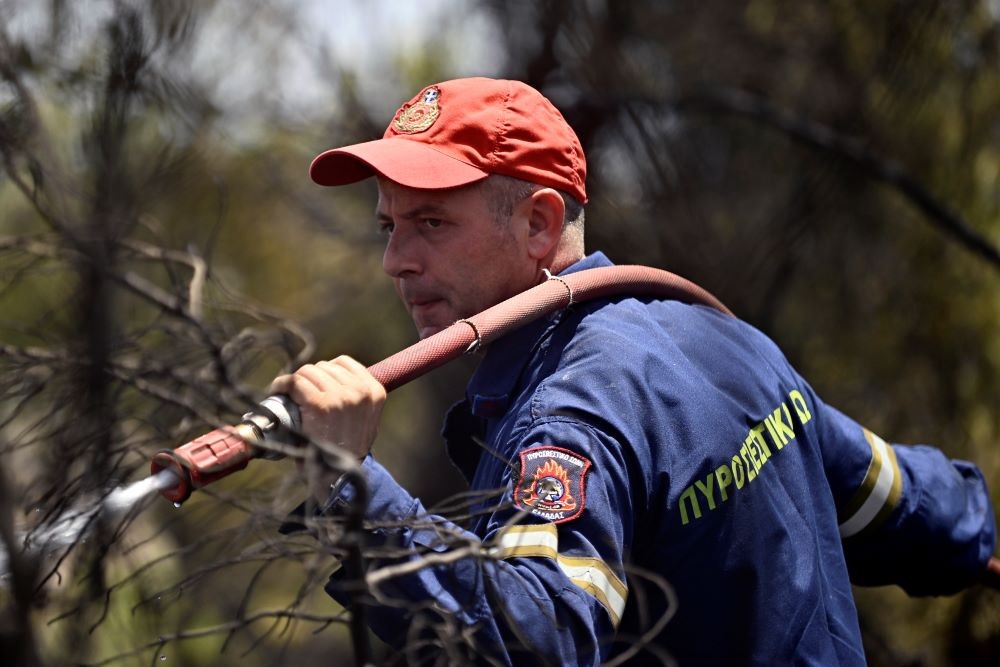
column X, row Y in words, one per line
column 654, row 479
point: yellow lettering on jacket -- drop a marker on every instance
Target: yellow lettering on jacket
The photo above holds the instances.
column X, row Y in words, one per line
column 762, row 442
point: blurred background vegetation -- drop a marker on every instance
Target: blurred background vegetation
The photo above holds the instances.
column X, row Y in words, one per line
column 829, row 168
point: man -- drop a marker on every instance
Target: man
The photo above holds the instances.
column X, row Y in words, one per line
column 648, row 473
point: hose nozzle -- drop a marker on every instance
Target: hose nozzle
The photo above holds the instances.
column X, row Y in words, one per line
column 225, row 450
column 207, row 459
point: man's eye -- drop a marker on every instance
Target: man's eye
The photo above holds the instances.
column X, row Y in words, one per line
column 385, row 229
column 433, row 223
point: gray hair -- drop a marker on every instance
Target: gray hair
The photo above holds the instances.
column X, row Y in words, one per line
column 504, row 192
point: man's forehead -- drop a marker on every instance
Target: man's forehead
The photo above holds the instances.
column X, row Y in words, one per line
column 391, row 194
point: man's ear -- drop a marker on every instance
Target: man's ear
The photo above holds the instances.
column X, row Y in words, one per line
column 545, row 210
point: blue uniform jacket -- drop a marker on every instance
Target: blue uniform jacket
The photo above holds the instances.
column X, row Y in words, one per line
column 656, row 475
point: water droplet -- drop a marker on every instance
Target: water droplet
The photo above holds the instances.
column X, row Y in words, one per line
column 177, row 505
column 162, row 658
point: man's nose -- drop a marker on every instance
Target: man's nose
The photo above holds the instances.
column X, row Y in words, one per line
column 401, row 255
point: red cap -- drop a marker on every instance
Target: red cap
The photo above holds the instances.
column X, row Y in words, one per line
column 459, row 132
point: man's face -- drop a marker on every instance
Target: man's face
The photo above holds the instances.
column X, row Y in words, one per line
column 447, row 256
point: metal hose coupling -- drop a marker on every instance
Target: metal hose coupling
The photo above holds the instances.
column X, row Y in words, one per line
column 229, row 449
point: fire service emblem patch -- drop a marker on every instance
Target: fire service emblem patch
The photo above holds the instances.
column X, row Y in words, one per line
column 551, row 484
column 420, row 115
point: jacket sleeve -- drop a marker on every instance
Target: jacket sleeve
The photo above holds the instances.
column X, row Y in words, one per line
column 530, row 589
column 908, row 515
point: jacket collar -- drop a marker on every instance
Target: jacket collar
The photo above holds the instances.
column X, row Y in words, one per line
column 489, row 391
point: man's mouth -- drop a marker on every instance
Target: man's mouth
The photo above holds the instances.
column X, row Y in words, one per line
column 421, row 305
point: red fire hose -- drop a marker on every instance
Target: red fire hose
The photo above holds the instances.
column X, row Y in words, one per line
column 227, row 450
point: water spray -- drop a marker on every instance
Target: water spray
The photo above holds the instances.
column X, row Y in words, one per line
column 71, row 526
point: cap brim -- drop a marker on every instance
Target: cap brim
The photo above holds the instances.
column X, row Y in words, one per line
column 407, row 162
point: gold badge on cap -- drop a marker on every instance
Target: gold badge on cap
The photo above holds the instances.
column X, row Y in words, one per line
column 420, row 115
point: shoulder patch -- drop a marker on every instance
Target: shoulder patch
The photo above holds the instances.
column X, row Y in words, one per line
column 551, row 483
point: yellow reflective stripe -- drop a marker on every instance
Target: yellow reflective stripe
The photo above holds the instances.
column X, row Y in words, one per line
column 590, row 574
column 614, row 582
column 529, row 552
column 597, row 592
column 868, row 483
column 894, row 493
column 879, row 492
column 593, row 576
column 524, row 541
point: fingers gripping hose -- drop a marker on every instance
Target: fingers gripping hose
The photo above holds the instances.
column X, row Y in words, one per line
column 226, row 450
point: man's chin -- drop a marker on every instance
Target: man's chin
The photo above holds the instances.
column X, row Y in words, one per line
column 432, row 317
column 428, row 330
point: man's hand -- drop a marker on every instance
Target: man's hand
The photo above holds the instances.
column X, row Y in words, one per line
column 340, row 404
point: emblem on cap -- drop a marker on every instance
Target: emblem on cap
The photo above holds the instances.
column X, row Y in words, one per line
column 551, row 485
column 419, row 116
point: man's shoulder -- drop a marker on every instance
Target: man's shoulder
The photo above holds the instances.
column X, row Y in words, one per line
column 660, row 341
column 606, row 343
column 649, row 326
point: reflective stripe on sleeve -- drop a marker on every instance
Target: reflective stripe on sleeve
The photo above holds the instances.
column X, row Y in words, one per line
column 593, row 576
column 879, row 492
column 527, row 541
column 590, row 574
